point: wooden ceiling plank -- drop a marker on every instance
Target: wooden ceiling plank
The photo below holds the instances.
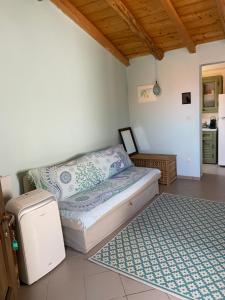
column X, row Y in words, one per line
column 183, row 3
column 71, row 11
column 189, row 8
column 80, row 3
column 208, row 38
column 135, row 27
column 221, row 11
column 92, row 8
column 182, row 31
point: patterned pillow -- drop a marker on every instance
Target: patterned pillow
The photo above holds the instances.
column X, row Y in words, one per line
column 65, row 180
column 123, row 160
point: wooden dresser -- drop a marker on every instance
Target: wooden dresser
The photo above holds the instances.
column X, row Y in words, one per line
column 165, row 163
column 209, row 146
column 9, row 279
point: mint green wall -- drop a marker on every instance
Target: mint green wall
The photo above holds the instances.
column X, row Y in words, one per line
column 61, row 93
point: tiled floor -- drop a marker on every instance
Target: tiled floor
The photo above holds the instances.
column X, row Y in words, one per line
column 213, row 169
column 78, row 279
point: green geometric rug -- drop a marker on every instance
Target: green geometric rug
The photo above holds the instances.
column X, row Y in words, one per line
column 177, row 244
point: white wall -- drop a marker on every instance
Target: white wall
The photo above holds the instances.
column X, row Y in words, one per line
column 167, row 126
column 61, row 93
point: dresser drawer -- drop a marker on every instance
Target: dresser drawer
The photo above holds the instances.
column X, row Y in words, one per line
column 207, row 136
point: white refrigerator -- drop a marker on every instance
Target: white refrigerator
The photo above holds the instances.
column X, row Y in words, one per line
column 221, row 128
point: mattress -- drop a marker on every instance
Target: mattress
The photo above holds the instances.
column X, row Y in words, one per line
column 83, row 220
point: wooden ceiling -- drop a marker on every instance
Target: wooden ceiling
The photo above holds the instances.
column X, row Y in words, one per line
column 130, row 28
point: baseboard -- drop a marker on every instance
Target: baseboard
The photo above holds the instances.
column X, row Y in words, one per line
column 189, row 177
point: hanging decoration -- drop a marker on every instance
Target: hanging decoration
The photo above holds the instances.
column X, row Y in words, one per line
column 156, row 87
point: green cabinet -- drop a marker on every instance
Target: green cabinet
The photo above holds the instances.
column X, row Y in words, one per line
column 211, row 87
column 209, row 147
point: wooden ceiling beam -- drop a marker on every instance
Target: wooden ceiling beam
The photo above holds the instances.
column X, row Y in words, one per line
column 71, row 11
column 221, row 11
column 182, row 31
column 135, row 27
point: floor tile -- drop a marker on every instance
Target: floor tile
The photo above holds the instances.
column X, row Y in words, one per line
column 36, row 291
column 120, row 298
column 73, row 265
column 104, row 286
column 91, row 268
column 73, row 253
column 210, row 187
column 67, row 281
column 149, row 295
column 213, row 169
column 173, row 297
column 133, row 286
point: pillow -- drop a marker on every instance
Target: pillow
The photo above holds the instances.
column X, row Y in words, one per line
column 65, row 180
column 123, row 160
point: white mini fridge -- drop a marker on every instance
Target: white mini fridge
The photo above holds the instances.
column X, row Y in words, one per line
column 39, row 231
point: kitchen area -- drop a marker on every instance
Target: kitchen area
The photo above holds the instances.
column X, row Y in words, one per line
column 213, row 119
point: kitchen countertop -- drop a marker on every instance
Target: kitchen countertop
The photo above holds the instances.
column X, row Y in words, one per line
column 209, row 129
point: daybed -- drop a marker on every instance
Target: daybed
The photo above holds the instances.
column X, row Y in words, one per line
column 96, row 193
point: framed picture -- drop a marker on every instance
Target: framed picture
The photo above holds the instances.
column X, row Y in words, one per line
column 186, row 98
column 128, row 140
column 145, row 93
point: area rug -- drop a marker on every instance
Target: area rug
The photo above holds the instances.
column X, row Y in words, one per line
column 177, row 244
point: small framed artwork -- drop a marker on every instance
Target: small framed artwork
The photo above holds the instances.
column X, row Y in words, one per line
column 128, row 140
column 145, row 93
column 186, row 98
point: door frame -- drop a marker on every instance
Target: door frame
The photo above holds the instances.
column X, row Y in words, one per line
column 200, row 106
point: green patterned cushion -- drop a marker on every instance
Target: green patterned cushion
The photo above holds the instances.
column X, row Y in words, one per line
column 65, row 180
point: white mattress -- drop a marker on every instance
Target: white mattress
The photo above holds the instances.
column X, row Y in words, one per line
column 86, row 219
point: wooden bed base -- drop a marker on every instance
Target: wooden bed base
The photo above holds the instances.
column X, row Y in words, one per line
column 84, row 240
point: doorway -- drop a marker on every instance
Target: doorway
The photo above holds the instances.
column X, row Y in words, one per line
column 212, row 86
